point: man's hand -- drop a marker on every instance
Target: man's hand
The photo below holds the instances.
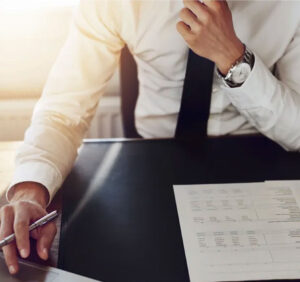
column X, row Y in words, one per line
column 208, row 30
column 28, row 203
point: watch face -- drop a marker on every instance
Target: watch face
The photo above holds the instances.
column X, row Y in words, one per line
column 241, row 73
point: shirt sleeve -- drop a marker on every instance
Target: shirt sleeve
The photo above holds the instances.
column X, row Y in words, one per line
column 70, row 98
column 272, row 103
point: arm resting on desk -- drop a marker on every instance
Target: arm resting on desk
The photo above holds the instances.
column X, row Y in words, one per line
column 60, row 120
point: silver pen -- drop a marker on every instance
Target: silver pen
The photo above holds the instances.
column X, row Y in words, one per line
column 40, row 222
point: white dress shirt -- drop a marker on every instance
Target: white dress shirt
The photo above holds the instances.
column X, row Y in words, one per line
column 268, row 102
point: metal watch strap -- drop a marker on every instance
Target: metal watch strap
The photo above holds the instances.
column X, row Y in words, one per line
column 248, row 58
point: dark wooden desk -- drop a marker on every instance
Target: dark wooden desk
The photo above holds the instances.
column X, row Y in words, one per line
column 120, row 221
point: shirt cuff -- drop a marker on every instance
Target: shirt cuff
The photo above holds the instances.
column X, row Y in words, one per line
column 38, row 172
column 256, row 91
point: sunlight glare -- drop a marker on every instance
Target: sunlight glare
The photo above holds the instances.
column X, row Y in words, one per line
column 34, row 4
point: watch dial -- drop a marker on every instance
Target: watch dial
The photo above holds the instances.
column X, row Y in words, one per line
column 241, row 73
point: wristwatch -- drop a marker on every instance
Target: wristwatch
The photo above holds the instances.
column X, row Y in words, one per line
column 240, row 71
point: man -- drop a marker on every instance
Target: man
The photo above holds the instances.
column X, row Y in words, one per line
column 246, row 96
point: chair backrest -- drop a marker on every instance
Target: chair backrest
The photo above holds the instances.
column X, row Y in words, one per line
column 129, row 93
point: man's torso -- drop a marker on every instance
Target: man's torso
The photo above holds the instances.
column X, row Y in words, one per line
column 149, row 29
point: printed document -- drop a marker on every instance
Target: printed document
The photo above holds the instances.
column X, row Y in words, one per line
column 234, row 232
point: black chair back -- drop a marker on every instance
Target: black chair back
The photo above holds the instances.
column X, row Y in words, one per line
column 129, row 93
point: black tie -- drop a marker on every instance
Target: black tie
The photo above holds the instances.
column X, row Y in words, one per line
column 196, row 97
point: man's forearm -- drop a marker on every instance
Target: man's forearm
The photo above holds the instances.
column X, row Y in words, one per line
column 70, row 98
column 270, row 105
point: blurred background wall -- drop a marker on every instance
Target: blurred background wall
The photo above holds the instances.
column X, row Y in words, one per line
column 32, row 33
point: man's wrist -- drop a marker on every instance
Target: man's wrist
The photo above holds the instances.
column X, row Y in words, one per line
column 240, row 71
column 30, row 191
column 234, row 54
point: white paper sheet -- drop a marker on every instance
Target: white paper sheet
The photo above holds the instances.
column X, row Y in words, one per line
column 235, row 232
column 34, row 273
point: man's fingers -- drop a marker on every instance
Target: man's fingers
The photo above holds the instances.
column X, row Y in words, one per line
column 6, row 228
column 16, row 218
column 215, row 5
column 10, row 254
column 45, row 238
column 196, row 7
column 21, row 227
column 183, row 29
column 189, row 18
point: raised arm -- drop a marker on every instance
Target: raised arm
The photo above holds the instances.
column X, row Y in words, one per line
column 271, row 103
